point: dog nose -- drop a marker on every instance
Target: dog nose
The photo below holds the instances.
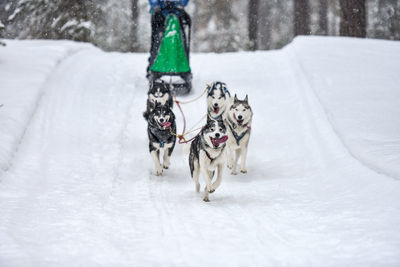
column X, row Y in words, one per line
column 217, row 135
column 216, row 105
column 240, row 117
column 161, row 120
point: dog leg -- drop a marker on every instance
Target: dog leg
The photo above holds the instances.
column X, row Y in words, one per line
column 166, row 158
column 243, row 156
column 217, row 183
column 206, row 199
column 196, row 175
column 235, row 161
column 208, row 187
column 229, row 155
column 156, row 159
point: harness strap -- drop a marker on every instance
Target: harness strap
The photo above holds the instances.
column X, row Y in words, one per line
column 208, row 155
column 238, row 137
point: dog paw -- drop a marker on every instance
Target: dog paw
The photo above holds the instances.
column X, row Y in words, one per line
column 165, row 167
column 234, row 172
column 230, row 166
column 205, row 199
column 159, row 172
column 243, row 171
column 212, row 190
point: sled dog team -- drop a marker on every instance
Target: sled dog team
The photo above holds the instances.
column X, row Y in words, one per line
column 223, row 140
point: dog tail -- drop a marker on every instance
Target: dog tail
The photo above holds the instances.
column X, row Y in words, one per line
column 186, row 148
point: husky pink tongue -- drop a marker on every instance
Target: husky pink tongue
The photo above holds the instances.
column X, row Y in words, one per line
column 166, row 124
column 217, row 142
column 216, row 110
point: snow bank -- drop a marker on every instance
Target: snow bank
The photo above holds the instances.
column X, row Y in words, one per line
column 358, row 84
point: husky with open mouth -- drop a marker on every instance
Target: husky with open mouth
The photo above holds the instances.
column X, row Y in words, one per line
column 207, row 154
column 159, row 92
column 238, row 122
column 218, row 98
column 161, row 120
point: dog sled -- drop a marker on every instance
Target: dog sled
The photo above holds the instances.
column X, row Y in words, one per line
column 170, row 49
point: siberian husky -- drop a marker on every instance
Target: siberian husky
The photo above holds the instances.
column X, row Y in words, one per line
column 160, row 119
column 238, row 122
column 218, row 98
column 207, row 153
column 159, row 92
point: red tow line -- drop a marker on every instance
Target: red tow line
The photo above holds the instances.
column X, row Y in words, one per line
column 181, row 137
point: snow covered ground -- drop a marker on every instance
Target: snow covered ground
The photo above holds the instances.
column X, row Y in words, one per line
column 77, row 186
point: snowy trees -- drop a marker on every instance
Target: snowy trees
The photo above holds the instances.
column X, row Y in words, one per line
column 135, row 24
column 323, row 17
column 301, row 17
column 384, row 19
column 53, row 19
column 218, row 25
column 1, row 30
column 253, row 23
column 353, row 18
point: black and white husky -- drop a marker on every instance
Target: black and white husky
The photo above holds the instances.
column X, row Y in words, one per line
column 207, row 153
column 218, row 98
column 160, row 120
column 238, row 122
column 159, row 92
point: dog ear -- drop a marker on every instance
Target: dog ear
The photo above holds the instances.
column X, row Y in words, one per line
column 208, row 88
column 235, row 100
column 246, row 99
column 226, row 91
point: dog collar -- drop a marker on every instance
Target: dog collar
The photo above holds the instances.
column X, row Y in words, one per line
column 216, row 118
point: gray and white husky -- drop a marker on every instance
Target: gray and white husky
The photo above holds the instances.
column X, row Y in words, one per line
column 238, row 122
column 160, row 120
column 207, row 154
column 218, row 99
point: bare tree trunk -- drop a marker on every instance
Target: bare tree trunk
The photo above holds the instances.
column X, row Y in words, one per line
column 323, row 17
column 134, row 27
column 253, row 23
column 353, row 18
column 265, row 23
column 301, row 17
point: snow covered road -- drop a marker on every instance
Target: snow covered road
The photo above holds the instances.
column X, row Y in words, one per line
column 78, row 188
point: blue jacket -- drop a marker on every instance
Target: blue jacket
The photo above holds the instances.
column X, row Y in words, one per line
column 161, row 3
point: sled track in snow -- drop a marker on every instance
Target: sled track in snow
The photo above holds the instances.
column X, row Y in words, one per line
column 37, row 103
column 82, row 190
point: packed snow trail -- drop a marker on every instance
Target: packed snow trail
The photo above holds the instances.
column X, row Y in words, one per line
column 82, row 192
